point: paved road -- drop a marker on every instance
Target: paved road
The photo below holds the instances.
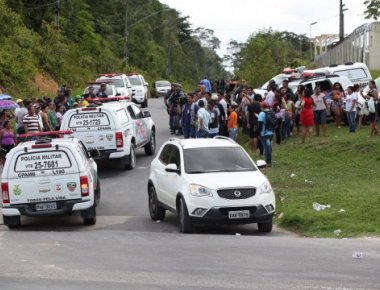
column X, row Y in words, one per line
column 126, row 250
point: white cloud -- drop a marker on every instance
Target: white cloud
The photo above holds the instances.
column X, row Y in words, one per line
column 238, row 19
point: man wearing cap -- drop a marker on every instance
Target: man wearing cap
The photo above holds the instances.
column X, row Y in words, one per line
column 21, row 113
column 20, row 103
column 266, row 135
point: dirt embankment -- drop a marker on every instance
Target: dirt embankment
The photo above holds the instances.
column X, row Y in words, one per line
column 45, row 84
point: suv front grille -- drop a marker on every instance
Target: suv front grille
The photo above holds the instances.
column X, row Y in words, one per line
column 237, row 193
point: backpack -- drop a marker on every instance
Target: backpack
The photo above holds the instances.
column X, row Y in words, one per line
column 270, row 120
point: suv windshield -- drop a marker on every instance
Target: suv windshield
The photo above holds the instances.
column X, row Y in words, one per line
column 135, row 81
column 216, row 159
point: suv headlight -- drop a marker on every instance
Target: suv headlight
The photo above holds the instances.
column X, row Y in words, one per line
column 198, row 190
column 265, row 188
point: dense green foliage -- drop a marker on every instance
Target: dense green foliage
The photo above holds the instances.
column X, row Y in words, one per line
column 90, row 39
column 266, row 53
column 373, row 9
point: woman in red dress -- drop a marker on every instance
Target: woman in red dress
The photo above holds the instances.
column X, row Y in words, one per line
column 307, row 116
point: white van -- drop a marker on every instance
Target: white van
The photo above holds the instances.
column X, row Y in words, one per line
column 357, row 73
column 114, row 129
column 49, row 177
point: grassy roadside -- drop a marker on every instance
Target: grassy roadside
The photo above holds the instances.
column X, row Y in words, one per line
column 342, row 170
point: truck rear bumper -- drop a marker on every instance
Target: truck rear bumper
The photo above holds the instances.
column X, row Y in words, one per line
column 63, row 207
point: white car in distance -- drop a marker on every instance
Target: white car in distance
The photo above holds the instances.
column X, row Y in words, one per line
column 209, row 181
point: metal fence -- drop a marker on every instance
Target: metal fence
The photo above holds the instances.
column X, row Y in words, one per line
column 362, row 45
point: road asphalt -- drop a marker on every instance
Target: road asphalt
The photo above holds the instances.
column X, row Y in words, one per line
column 126, row 250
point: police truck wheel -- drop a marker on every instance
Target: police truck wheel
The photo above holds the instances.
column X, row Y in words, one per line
column 145, row 103
column 131, row 158
column 97, row 193
column 12, row 221
column 150, row 148
column 89, row 216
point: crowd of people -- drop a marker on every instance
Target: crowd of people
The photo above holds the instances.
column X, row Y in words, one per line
column 276, row 116
column 42, row 114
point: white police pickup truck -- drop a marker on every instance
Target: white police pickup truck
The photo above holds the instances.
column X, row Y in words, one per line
column 49, row 177
column 114, row 129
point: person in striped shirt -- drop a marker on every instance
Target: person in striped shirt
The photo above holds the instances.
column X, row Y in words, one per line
column 31, row 124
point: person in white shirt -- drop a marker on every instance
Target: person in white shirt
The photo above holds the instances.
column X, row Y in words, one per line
column 269, row 98
column 320, row 110
column 351, row 100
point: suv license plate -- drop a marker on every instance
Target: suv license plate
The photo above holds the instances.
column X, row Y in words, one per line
column 46, row 206
column 241, row 214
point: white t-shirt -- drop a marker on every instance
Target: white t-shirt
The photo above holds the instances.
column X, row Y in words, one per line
column 350, row 101
column 224, row 105
column 318, row 100
column 270, row 98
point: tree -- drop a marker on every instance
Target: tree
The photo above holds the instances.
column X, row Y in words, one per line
column 373, row 9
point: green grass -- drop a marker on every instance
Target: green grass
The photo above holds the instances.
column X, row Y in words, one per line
column 342, row 170
column 375, row 74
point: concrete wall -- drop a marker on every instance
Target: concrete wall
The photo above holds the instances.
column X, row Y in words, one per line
column 362, row 45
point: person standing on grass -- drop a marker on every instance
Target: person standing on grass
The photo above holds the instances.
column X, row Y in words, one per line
column 307, row 116
column 297, row 105
column 266, row 135
column 372, row 97
column 320, row 111
column 351, row 100
column 253, row 112
column 337, row 100
column 232, row 122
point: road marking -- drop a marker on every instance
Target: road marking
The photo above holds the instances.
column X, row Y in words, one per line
column 141, row 167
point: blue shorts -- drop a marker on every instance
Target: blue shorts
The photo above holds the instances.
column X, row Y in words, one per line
column 320, row 116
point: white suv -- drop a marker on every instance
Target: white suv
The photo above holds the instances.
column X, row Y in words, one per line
column 209, row 180
column 114, row 129
column 139, row 89
column 49, row 177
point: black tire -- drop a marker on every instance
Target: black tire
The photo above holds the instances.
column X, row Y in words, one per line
column 185, row 224
column 97, row 193
column 12, row 221
column 131, row 163
column 265, row 227
column 89, row 216
column 150, row 148
column 156, row 211
column 145, row 103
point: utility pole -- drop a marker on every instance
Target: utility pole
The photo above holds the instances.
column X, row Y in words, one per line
column 126, row 31
column 341, row 19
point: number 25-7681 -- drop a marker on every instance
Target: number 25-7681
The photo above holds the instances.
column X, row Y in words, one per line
column 45, row 165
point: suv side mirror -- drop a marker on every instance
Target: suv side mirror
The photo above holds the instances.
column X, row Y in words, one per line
column 147, row 114
column 171, row 167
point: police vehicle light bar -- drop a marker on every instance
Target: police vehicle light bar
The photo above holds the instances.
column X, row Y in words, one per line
column 48, row 133
column 110, row 99
column 100, row 82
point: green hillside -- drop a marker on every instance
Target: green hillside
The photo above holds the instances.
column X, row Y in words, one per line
column 70, row 41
